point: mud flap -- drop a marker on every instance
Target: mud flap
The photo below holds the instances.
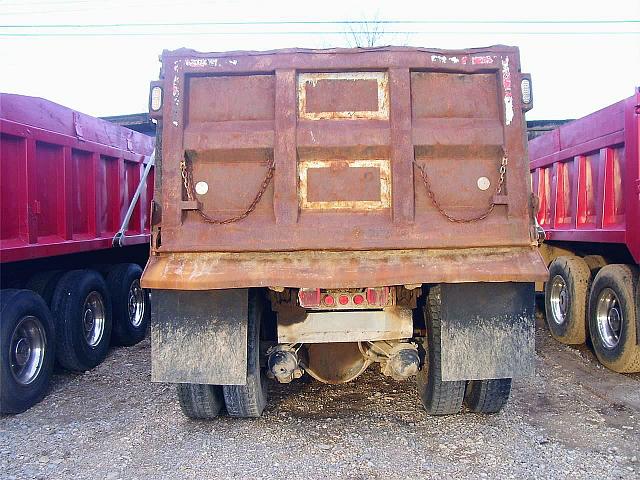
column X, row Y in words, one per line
column 199, row 336
column 487, row 330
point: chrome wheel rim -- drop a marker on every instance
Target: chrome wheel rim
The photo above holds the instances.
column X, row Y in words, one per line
column 136, row 304
column 609, row 318
column 559, row 300
column 93, row 318
column 27, row 349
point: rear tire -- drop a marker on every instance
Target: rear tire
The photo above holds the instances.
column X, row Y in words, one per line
column 612, row 318
column 487, row 396
column 44, row 284
column 595, row 263
column 27, row 349
column 438, row 397
column 566, row 297
column 201, row 402
column 130, row 304
column 81, row 306
column 248, row 401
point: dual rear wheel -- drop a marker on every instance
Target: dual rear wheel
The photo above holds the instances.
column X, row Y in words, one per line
column 589, row 299
column 445, row 398
column 70, row 317
column 245, row 401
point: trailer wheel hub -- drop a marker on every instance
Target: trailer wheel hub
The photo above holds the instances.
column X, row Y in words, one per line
column 136, row 304
column 609, row 318
column 559, row 300
column 27, row 349
column 93, row 320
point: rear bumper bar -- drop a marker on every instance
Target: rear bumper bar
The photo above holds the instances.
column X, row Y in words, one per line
column 348, row 269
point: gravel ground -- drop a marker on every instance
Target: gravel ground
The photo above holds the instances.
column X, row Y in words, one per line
column 573, row 419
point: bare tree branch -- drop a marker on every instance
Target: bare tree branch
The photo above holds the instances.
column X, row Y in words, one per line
column 368, row 33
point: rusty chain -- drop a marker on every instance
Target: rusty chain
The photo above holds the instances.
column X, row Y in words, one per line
column 451, row 218
column 187, row 178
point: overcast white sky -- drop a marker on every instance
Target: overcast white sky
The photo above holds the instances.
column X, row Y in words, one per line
column 577, row 67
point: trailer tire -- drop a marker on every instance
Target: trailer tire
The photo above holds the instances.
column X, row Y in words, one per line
column 27, row 349
column 595, row 263
column 438, row 397
column 81, row 306
column 612, row 318
column 200, row 402
column 44, row 283
column 130, row 304
column 487, row 396
column 248, row 401
column 566, row 297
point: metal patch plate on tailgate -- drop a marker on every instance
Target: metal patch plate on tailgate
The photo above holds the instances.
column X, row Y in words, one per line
column 330, row 184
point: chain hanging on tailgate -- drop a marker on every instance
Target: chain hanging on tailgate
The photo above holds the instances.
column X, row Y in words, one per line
column 451, row 218
column 187, row 178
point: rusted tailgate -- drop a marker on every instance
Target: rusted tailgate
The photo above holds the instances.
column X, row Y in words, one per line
column 345, row 134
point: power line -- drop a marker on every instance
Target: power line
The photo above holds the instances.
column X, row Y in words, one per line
column 330, row 32
column 332, row 22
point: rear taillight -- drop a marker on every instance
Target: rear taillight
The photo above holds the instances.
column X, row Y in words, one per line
column 346, row 299
column 378, row 296
column 155, row 103
column 309, row 297
column 526, row 92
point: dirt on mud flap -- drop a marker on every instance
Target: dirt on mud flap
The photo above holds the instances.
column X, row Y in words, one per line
column 200, row 336
column 488, row 331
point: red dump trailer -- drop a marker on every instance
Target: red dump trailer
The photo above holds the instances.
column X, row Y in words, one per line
column 74, row 232
column 586, row 176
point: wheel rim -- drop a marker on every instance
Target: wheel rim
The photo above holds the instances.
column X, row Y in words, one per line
column 559, row 300
column 93, row 319
column 609, row 318
column 27, row 349
column 136, row 304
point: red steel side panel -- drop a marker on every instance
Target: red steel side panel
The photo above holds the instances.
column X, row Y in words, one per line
column 586, row 174
column 66, row 180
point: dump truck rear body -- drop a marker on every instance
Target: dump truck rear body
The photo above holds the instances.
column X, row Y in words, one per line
column 342, row 129
column 331, row 176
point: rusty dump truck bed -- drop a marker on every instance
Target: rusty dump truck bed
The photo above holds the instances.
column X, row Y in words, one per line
column 338, row 147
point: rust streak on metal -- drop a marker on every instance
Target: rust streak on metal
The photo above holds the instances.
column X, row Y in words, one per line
column 346, row 269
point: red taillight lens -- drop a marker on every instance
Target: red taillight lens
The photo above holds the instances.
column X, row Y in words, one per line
column 329, row 300
column 309, row 297
column 378, row 296
column 358, row 299
column 343, row 299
